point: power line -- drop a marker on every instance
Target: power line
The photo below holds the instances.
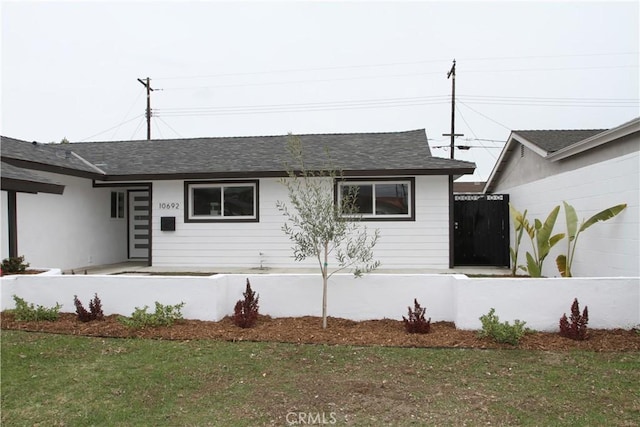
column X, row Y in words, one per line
column 111, row 128
column 391, row 102
column 390, row 64
column 486, row 117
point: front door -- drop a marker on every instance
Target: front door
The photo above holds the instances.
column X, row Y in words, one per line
column 138, row 224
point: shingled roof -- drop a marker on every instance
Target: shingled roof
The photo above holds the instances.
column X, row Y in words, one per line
column 26, row 181
column 355, row 154
column 554, row 140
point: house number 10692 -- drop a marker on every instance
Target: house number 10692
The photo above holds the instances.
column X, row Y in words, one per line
column 169, row 205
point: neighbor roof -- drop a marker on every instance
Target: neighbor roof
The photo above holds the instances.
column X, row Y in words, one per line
column 554, row 145
column 554, row 140
column 355, row 154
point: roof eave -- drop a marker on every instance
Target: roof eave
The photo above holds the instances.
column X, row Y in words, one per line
column 33, row 187
column 282, row 174
column 607, row 136
column 497, row 168
column 26, row 164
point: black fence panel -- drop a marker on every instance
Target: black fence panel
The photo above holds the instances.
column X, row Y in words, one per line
column 481, row 230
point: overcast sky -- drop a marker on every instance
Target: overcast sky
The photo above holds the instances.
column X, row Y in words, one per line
column 70, row 69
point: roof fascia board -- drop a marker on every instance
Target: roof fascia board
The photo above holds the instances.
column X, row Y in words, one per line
column 23, row 186
column 280, row 174
column 530, row 145
column 496, row 168
column 597, row 140
column 61, row 170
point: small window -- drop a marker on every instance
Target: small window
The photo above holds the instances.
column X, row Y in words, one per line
column 117, row 204
column 381, row 199
column 221, row 201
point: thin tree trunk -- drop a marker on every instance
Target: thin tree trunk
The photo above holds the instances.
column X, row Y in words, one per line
column 324, row 286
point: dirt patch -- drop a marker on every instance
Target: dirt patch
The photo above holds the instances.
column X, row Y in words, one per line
column 308, row 329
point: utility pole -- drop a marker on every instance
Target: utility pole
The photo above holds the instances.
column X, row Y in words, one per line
column 452, row 75
column 147, row 84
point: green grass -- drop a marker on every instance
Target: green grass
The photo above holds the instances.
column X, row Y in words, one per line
column 81, row 381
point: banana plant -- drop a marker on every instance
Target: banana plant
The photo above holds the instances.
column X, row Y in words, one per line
column 519, row 221
column 542, row 241
column 573, row 232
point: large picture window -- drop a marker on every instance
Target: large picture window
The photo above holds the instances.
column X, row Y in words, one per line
column 221, row 201
column 381, row 199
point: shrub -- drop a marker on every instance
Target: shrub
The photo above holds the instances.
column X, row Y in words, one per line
column 577, row 328
column 95, row 309
column 165, row 315
column 501, row 332
column 416, row 323
column 245, row 313
column 14, row 265
column 25, row 312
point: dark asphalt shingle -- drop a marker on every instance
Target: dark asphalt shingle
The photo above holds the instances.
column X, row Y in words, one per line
column 554, row 140
column 260, row 154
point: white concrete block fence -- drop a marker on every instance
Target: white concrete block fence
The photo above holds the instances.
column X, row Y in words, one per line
column 613, row 302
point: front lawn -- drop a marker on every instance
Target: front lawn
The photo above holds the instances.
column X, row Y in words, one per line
column 52, row 379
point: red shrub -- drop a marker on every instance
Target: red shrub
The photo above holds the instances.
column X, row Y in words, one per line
column 416, row 323
column 245, row 313
column 575, row 327
column 95, row 309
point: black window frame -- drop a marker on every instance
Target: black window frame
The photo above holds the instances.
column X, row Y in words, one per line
column 190, row 218
column 411, row 216
column 118, row 205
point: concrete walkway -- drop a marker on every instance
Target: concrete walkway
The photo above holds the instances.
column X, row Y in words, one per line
column 141, row 268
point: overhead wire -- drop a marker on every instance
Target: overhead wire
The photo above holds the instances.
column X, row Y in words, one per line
column 169, row 126
column 390, row 64
column 113, row 127
column 128, row 112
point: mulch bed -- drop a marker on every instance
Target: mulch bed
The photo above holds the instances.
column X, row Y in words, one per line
column 308, row 330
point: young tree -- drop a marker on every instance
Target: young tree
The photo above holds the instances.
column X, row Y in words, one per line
column 321, row 226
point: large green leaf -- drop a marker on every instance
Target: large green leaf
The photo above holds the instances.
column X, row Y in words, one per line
column 603, row 216
column 572, row 221
column 561, row 262
column 532, row 266
column 544, row 232
column 555, row 239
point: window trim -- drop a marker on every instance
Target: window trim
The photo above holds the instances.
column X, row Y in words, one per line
column 411, row 181
column 188, row 207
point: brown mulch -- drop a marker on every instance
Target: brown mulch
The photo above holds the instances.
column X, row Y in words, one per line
column 308, row 329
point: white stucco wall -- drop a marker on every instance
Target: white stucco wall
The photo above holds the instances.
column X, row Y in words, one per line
column 71, row 230
column 610, row 248
column 403, row 244
column 4, row 226
column 612, row 302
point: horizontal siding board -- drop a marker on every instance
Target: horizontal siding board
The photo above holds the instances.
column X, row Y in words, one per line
column 412, row 244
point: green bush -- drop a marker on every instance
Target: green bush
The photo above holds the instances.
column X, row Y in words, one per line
column 165, row 315
column 14, row 265
column 501, row 332
column 25, row 312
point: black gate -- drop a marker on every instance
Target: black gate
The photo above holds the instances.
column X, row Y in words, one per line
column 481, row 230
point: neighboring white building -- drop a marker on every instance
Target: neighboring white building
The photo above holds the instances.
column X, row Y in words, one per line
column 212, row 201
column 591, row 170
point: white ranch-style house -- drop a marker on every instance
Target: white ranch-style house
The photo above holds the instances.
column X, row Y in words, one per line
column 212, row 201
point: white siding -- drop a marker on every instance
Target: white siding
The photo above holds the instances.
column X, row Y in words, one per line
column 71, row 230
column 610, row 248
column 403, row 244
